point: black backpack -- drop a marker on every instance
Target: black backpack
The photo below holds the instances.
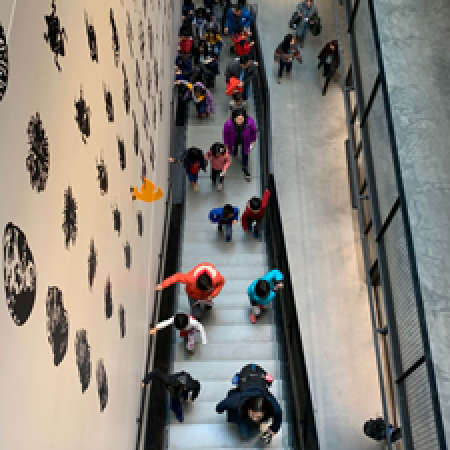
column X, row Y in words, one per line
column 316, row 28
column 375, row 429
column 253, row 375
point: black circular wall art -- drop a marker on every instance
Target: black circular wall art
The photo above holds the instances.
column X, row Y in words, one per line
column 38, row 159
column 57, row 324
column 83, row 358
column 19, row 272
column 102, row 384
column 4, row 64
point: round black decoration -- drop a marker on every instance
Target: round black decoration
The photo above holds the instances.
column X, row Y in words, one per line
column 83, row 358
column 56, row 35
column 19, row 272
column 57, row 324
column 4, row 63
column 38, row 156
column 108, row 299
column 102, row 384
column 69, row 226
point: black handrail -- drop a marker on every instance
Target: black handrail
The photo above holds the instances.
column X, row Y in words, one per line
column 304, row 425
column 152, row 339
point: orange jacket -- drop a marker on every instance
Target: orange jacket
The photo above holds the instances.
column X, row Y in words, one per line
column 190, row 280
column 148, row 193
column 233, row 86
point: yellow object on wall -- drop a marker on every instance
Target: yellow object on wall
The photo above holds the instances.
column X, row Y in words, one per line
column 147, row 193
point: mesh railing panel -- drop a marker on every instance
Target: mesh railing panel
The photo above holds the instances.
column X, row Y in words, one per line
column 421, row 415
column 403, row 295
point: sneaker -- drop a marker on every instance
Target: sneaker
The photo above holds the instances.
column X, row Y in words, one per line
column 247, row 175
column 252, row 317
column 219, row 187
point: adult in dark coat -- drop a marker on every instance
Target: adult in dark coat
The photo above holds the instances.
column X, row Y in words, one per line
column 250, row 408
column 242, row 69
column 180, row 385
column 329, row 59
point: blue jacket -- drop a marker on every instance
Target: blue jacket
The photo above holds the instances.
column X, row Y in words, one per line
column 245, row 19
column 273, row 277
column 216, row 214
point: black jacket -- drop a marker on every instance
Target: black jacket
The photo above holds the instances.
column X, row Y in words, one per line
column 235, row 400
column 234, row 70
column 179, row 384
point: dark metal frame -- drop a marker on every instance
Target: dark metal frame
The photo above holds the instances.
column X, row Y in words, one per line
column 145, row 392
column 379, row 228
column 303, row 422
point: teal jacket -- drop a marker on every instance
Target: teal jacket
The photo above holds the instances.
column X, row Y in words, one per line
column 273, row 277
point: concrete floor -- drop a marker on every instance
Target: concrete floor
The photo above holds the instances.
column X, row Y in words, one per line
column 308, row 133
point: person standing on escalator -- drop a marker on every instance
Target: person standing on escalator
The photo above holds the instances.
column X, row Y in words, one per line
column 251, row 405
column 181, row 387
column 240, row 132
column 203, row 283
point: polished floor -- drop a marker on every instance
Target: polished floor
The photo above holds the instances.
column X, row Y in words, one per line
column 308, row 133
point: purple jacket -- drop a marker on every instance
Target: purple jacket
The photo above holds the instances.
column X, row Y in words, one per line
column 209, row 98
column 249, row 135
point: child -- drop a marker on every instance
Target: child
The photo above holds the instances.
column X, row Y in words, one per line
column 228, row 215
column 203, row 283
column 242, row 42
column 220, row 161
column 188, row 327
column 237, row 102
column 214, row 41
column 193, row 160
column 147, row 193
column 261, row 292
column 203, row 99
column 254, row 213
column 180, row 385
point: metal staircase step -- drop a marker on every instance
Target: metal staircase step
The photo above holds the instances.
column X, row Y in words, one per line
column 233, row 272
column 243, row 244
column 213, row 391
column 221, row 435
column 221, row 261
column 225, row 351
column 222, row 301
column 222, row 370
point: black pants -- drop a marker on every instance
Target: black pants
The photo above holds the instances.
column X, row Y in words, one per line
column 328, row 72
column 216, row 174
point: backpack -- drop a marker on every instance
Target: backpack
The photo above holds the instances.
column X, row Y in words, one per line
column 375, row 429
column 186, row 45
column 253, row 375
column 316, row 27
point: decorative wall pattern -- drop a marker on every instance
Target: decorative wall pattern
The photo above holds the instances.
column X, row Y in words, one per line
column 70, row 154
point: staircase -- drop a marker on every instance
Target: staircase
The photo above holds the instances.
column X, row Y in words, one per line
column 232, row 340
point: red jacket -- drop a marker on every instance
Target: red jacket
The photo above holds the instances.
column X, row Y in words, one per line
column 249, row 214
column 190, row 280
column 241, row 45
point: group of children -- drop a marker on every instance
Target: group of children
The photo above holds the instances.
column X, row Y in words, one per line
column 250, row 403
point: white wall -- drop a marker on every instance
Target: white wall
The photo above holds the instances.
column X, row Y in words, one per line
column 43, row 406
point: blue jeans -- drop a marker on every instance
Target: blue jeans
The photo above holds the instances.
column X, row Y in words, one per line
column 245, row 91
column 244, row 160
column 302, row 30
column 284, row 64
column 193, row 177
column 201, row 107
column 175, row 406
column 228, row 230
column 255, row 228
column 248, row 428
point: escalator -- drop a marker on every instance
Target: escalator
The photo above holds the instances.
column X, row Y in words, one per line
column 233, row 341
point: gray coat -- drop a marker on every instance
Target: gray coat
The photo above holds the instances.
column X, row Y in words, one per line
column 302, row 27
